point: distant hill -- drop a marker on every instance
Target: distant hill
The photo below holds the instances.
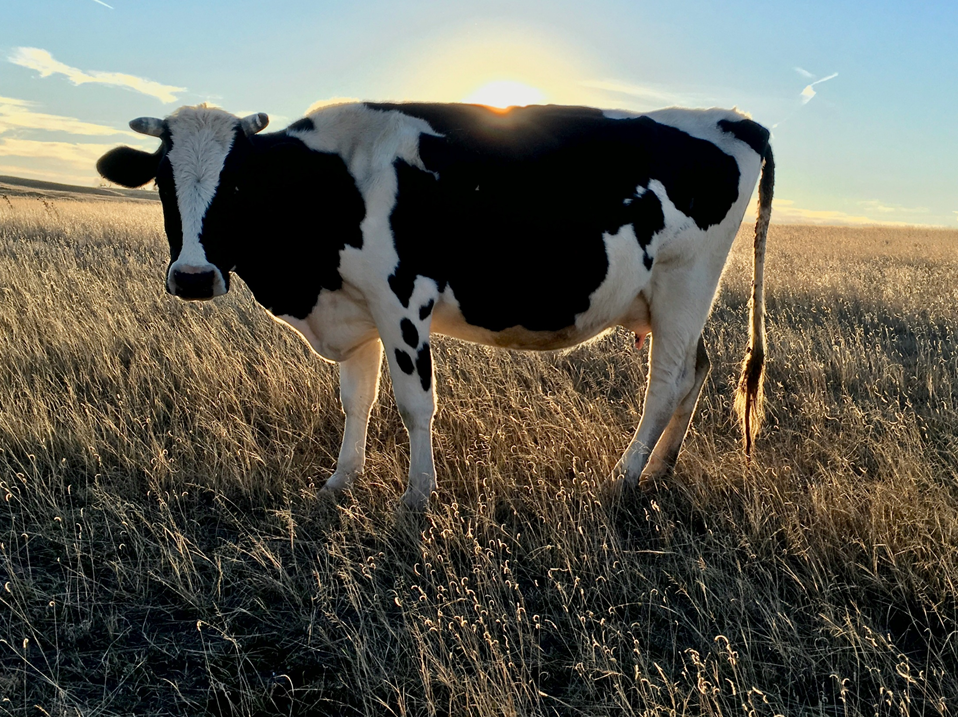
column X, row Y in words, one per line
column 19, row 187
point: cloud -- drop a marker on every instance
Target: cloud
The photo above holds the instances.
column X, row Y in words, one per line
column 18, row 114
column 875, row 205
column 785, row 211
column 651, row 95
column 29, row 172
column 809, row 91
column 100, row 2
column 804, row 73
column 43, row 62
column 84, row 155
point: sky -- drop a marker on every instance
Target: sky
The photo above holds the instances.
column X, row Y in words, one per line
column 861, row 97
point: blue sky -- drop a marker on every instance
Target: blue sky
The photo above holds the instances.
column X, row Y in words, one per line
column 862, row 97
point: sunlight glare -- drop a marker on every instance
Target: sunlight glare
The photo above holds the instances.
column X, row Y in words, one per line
column 505, row 93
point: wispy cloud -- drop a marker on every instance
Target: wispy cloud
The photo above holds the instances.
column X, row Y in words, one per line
column 43, row 62
column 785, row 211
column 809, row 90
column 100, row 2
column 875, row 205
column 804, row 73
column 31, row 172
column 645, row 94
column 19, row 115
column 84, row 155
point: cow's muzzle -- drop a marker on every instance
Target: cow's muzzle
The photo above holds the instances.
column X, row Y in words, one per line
column 195, row 283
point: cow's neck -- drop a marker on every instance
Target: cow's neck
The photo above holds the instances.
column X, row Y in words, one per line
column 304, row 209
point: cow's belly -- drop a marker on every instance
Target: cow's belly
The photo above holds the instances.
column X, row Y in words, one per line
column 449, row 322
column 618, row 301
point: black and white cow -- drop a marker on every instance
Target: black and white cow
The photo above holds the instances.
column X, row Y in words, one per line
column 366, row 226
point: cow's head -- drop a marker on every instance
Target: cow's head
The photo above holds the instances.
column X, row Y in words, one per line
column 198, row 170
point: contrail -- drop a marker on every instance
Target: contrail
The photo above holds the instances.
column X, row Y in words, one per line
column 808, row 92
column 100, row 2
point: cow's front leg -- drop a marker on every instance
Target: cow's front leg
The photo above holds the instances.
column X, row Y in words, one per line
column 358, row 387
column 410, row 365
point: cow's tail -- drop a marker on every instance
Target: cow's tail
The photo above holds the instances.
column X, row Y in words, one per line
column 750, row 397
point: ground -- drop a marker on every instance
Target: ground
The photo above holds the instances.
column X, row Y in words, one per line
column 163, row 549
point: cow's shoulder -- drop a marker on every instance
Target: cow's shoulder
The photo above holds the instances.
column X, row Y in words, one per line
column 368, row 140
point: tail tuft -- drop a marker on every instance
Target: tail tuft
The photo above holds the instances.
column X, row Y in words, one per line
column 750, row 396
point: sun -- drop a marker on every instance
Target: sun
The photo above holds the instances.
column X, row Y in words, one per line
column 505, row 93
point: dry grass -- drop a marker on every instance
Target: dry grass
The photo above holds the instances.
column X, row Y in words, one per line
column 163, row 552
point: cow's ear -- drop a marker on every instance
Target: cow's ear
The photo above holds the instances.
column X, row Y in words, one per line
column 129, row 167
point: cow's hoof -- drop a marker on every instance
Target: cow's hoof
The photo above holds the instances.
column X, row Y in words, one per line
column 338, row 482
column 622, row 480
column 334, row 494
column 328, row 493
column 415, row 501
column 331, row 496
column 655, row 470
column 648, row 482
column 625, row 486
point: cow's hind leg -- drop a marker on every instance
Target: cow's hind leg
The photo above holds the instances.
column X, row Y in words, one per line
column 672, row 377
column 666, row 451
column 358, row 387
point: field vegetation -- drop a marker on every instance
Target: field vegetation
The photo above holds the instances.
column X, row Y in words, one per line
column 163, row 549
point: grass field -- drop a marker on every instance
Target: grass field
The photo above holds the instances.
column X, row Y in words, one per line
column 163, row 550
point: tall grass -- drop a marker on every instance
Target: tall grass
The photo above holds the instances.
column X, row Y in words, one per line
column 163, row 550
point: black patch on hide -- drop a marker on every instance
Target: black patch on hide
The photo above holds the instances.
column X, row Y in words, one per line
column 409, row 333
column 424, row 311
column 302, row 125
column 424, row 366
column 402, row 282
column 404, row 361
column 282, row 215
column 514, row 221
column 752, row 133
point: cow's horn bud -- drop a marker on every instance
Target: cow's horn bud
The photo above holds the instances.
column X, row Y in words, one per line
column 254, row 123
column 147, row 125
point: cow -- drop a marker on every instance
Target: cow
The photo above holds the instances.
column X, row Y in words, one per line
column 369, row 227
